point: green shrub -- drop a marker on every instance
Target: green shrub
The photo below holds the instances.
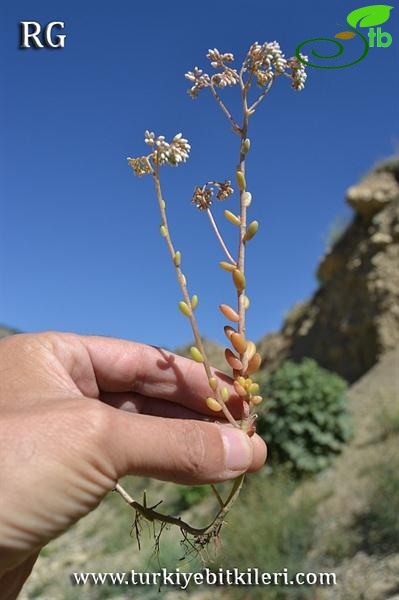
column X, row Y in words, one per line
column 190, row 495
column 305, row 420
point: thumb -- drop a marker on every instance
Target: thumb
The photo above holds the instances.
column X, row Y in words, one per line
column 182, row 451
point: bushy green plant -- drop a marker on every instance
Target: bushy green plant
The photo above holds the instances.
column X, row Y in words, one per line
column 305, row 421
column 191, row 495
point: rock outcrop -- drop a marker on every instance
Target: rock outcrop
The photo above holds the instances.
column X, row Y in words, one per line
column 363, row 571
column 353, row 318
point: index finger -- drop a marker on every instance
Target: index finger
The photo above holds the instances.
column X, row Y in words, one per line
column 124, row 366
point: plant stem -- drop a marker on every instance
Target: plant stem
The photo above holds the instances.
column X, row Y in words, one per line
column 186, row 296
column 224, row 108
column 243, row 217
column 219, row 237
column 218, row 496
column 252, row 108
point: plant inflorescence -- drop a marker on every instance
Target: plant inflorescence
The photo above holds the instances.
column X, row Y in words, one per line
column 262, row 66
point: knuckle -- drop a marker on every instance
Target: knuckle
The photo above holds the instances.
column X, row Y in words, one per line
column 95, row 422
column 54, row 339
column 90, row 426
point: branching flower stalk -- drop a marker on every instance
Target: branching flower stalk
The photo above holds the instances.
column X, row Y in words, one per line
column 262, row 65
column 188, row 305
column 219, row 237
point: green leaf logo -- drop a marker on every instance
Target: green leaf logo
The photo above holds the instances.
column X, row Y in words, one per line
column 369, row 16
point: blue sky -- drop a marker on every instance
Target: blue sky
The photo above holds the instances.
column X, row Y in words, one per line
column 80, row 249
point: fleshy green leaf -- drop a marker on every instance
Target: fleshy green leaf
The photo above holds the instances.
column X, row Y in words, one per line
column 369, row 16
column 345, row 35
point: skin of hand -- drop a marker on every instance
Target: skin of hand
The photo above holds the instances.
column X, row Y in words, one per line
column 79, row 412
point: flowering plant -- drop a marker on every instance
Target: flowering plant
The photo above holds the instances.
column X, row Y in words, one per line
column 262, row 66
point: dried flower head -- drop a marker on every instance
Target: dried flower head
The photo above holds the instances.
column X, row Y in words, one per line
column 141, row 165
column 203, row 195
column 224, row 189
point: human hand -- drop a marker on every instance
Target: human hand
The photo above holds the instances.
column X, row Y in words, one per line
column 64, row 444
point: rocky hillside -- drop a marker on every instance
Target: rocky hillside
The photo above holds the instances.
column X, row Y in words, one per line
column 355, row 537
column 353, row 318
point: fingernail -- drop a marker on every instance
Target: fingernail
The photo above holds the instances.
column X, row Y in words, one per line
column 238, row 449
